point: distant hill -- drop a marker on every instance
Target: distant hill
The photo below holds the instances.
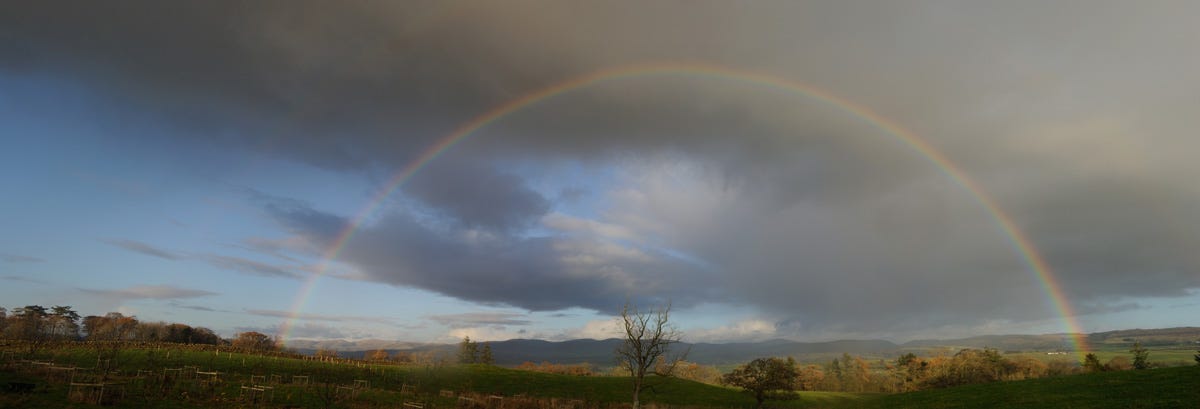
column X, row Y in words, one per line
column 1148, row 337
column 1048, row 342
column 600, row 352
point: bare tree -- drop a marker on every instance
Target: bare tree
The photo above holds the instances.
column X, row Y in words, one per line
column 648, row 339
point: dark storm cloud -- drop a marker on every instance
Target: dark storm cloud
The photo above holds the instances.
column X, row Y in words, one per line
column 478, row 196
column 143, row 248
column 491, row 268
column 1081, row 132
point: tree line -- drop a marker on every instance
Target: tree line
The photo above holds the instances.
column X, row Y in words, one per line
column 36, row 326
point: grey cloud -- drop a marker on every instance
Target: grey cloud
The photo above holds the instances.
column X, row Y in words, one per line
column 16, row 258
column 233, row 263
column 196, row 307
column 248, row 266
column 318, row 317
column 531, row 273
column 477, row 196
column 22, row 278
column 143, row 248
column 155, row 292
column 477, row 319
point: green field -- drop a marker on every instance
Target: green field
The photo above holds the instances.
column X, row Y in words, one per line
column 1158, row 388
column 1177, row 387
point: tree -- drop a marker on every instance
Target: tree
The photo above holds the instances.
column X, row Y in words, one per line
column 468, row 351
column 765, row 378
column 255, row 341
column 378, row 355
column 486, row 357
column 29, row 324
column 1092, row 364
column 648, row 338
column 62, row 323
column 1141, row 356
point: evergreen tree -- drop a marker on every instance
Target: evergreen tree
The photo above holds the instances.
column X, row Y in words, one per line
column 468, row 351
column 1092, row 364
column 485, row 357
column 1141, row 356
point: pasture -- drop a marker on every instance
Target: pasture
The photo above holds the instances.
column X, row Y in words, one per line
column 180, row 376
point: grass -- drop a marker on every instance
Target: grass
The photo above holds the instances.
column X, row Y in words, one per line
column 1177, row 387
column 1157, row 388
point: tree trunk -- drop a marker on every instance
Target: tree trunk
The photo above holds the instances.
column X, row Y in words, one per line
column 637, row 390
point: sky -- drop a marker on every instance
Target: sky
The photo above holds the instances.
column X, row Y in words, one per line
column 203, row 162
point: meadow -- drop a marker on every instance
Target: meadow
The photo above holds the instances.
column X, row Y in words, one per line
column 172, row 376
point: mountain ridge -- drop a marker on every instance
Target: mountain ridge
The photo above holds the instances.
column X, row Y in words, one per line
column 600, row 352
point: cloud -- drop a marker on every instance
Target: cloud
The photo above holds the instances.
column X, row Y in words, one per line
column 724, row 190
column 477, row 196
column 16, row 258
column 22, row 278
column 597, row 329
column 570, row 224
column 474, row 319
column 318, row 317
column 304, row 331
column 152, row 292
column 247, row 266
column 196, row 307
column 749, row 330
column 143, row 248
column 486, row 334
column 535, row 273
column 231, row 263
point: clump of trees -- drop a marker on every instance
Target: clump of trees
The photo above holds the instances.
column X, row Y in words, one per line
column 37, row 325
column 469, row 352
column 255, row 341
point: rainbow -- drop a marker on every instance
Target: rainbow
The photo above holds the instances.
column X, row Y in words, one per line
column 1019, row 241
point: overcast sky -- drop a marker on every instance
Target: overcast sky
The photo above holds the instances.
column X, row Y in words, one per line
column 195, row 161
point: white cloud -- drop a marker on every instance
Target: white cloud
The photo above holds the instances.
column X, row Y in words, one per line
column 486, row 333
column 597, row 329
column 748, row 330
column 572, row 224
